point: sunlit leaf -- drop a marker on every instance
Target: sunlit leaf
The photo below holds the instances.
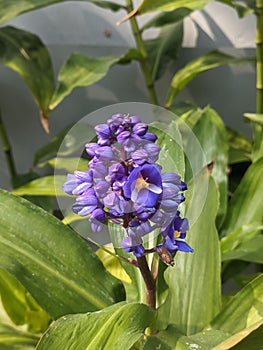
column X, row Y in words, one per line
column 116, row 327
column 201, row 64
column 51, row 261
column 255, row 118
column 43, row 186
column 25, row 53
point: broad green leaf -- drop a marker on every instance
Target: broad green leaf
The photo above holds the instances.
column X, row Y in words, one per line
column 164, row 48
column 162, row 19
column 246, row 307
column 255, row 118
column 170, row 5
column 10, row 9
column 116, row 327
column 246, row 205
column 216, row 151
column 20, row 306
column 112, row 263
column 51, row 261
column 196, row 277
column 43, row 186
column 241, row 9
column 240, row 146
column 69, row 164
column 201, row 64
column 80, row 70
column 14, row 339
column 171, row 156
column 25, row 53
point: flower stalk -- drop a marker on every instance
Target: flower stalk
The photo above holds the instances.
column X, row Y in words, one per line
column 143, row 61
column 150, row 283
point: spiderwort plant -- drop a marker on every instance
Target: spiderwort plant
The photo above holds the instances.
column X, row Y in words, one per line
column 124, row 185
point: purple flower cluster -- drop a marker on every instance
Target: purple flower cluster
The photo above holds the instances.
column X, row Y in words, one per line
column 123, row 184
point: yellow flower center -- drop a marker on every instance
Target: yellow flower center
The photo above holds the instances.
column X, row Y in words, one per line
column 177, row 234
column 141, row 183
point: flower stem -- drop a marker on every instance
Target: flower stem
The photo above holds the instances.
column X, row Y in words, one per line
column 149, row 282
column 144, row 61
column 258, row 131
column 7, row 150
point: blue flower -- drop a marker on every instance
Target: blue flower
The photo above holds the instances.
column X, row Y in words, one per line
column 144, row 185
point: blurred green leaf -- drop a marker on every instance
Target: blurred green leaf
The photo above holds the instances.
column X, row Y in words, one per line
column 116, row 327
column 25, row 53
column 240, row 147
column 132, row 54
column 20, row 306
column 170, row 5
column 14, row 339
column 51, row 261
column 164, row 18
column 80, row 70
column 201, row 64
column 254, row 117
column 250, row 250
column 246, row 205
column 246, row 307
column 242, row 10
column 43, row 186
column 164, row 48
column 196, row 277
column 10, row 9
column 215, row 150
column 68, row 164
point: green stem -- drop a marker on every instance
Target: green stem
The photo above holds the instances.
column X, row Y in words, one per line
column 149, row 282
column 144, row 61
column 7, row 150
column 259, row 84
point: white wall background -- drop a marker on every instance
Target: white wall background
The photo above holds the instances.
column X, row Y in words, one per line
column 79, row 26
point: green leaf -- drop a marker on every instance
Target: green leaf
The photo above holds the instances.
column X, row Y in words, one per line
column 196, row 277
column 171, row 156
column 164, row 48
column 43, row 186
column 215, row 150
column 246, row 307
column 26, row 54
column 254, row 117
column 240, row 146
column 51, row 261
column 69, row 164
column 170, row 5
column 80, row 70
column 20, row 306
column 116, row 327
column 201, row 64
column 112, row 263
column 162, row 19
column 246, row 205
column 10, row 9
column 242, row 10
column 247, row 251
column 14, row 339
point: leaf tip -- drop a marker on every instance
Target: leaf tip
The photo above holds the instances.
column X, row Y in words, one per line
column 44, row 122
column 129, row 16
